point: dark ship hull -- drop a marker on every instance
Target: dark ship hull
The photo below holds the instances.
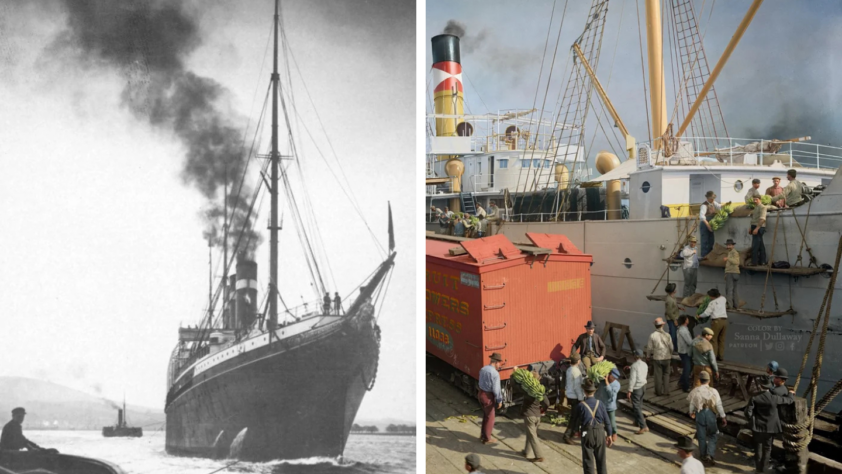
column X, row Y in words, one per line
column 26, row 461
column 295, row 397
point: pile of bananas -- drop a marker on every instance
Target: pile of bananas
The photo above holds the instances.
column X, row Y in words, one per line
column 766, row 200
column 600, row 370
column 530, row 384
column 719, row 220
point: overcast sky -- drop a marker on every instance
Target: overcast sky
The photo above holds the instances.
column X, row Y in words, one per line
column 781, row 82
column 103, row 250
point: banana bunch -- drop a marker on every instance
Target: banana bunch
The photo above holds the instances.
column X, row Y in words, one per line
column 719, row 220
column 530, row 384
column 600, row 370
column 766, row 200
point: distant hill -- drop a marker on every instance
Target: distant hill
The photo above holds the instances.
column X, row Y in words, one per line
column 52, row 406
column 383, row 423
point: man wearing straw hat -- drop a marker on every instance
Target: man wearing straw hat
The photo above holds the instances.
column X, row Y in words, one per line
column 490, row 396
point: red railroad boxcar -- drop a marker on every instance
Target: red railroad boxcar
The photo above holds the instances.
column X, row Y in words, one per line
column 488, row 295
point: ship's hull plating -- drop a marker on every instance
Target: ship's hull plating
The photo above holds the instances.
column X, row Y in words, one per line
column 620, row 286
column 284, row 401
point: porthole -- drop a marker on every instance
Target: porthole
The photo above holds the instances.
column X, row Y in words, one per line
column 628, row 263
column 645, row 187
column 738, row 185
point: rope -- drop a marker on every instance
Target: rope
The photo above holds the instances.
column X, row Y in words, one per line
column 678, row 245
column 804, row 245
column 643, row 72
column 769, row 266
column 796, row 436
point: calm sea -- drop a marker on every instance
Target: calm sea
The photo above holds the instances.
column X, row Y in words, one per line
column 364, row 454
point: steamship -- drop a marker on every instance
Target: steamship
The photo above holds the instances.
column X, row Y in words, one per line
column 122, row 428
column 636, row 212
column 245, row 384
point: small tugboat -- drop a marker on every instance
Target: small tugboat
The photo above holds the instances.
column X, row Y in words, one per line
column 122, row 428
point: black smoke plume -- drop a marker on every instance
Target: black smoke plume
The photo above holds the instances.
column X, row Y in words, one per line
column 148, row 42
column 455, row 28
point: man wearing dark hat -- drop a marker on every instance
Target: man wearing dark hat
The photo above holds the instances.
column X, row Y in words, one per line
column 707, row 211
column 671, row 313
column 690, row 266
column 589, row 346
column 765, row 424
column 574, row 393
column 776, row 190
column 473, row 463
column 639, row 370
column 732, row 274
column 779, row 382
column 689, row 464
column 490, row 396
column 705, row 405
column 757, row 229
column 753, row 191
column 595, row 427
column 659, row 349
column 12, row 438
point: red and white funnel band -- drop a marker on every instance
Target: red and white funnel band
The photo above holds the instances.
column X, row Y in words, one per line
column 446, row 75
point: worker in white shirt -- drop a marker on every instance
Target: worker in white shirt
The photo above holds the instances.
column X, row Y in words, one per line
column 718, row 321
column 637, row 389
column 707, row 211
column 690, row 266
column 574, row 393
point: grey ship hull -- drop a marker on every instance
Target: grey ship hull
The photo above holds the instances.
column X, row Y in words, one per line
column 295, row 397
column 619, row 291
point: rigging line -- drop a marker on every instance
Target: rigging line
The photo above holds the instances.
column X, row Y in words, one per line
column 353, row 197
column 307, row 200
column 385, row 290
column 516, row 134
column 643, row 73
column 476, row 91
column 544, row 104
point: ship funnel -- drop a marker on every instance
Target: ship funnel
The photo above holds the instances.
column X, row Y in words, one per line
column 448, row 96
column 119, row 417
column 246, row 292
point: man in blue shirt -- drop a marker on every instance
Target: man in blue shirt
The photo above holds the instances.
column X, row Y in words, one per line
column 595, row 427
column 490, row 396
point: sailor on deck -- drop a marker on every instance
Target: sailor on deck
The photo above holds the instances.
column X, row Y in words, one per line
column 705, row 405
column 493, row 213
column 707, row 211
column 776, row 190
column 481, row 212
column 753, row 191
column 793, row 192
column 337, row 303
column 590, row 346
column 758, row 228
column 13, row 439
column 690, row 266
column 326, row 302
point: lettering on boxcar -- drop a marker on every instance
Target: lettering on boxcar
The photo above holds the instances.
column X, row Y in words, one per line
column 439, row 337
column 447, row 302
column 564, row 285
column 444, row 321
column 443, row 279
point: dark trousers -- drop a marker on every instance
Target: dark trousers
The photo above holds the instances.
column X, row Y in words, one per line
column 690, row 277
column 593, row 449
column 758, row 248
column 686, row 371
column 486, row 399
column 573, row 423
column 637, row 405
column 673, row 329
column 662, row 376
column 707, row 239
column 762, row 450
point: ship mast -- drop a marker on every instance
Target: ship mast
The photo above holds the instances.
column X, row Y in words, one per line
column 274, row 163
column 657, row 90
